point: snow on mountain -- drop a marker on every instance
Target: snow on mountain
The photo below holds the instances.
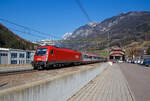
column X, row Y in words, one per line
column 66, row 36
column 93, row 24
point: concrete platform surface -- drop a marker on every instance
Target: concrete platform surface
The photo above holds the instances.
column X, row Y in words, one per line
column 16, row 68
column 110, row 85
column 138, row 78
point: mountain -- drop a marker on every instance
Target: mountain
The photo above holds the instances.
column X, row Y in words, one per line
column 83, row 31
column 119, row 30
column 66, row 36
column 10, row 40
column 120, row 26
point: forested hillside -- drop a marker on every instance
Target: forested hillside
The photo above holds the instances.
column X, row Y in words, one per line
column 10, row 40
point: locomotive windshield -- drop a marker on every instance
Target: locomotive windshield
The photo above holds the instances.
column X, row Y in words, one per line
column 41, row 51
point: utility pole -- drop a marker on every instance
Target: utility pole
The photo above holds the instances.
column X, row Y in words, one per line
column 108, row 43
column 108, row 40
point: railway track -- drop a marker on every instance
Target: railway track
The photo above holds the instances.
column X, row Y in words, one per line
column 6, row 73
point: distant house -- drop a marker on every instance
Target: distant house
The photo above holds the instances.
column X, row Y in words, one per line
column 45, row 42
column 117, row 53
column 15, row 56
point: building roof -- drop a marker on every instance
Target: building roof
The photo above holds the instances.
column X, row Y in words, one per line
column 10, row 49
column 116, row 48
column 5, row 49
column 116, row 55
column 116, row 51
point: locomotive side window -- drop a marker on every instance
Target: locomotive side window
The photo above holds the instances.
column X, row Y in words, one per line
column 51, row 52
column 85, row 56
column 41, row 51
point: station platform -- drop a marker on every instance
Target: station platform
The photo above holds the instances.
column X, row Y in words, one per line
column 110, row 85
column 15, row 68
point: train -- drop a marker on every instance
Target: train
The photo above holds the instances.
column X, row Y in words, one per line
column 46, row 57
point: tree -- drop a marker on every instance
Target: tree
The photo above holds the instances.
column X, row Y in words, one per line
column 132, row 52
column 148, row 51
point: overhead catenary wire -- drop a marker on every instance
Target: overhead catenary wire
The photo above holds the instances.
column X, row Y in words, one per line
column 83, row 10
column 39, row 35
column 28, row 33
column 42, row 33
column 27, row 28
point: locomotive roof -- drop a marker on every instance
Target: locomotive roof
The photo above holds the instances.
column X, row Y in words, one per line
column 91, row 54
column 67, row 49
column 71, row 50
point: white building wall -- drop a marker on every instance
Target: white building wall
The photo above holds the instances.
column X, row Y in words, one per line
column 3, row 57
column 19, row 59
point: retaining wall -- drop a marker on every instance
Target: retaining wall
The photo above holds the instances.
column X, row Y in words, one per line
column 55, row 89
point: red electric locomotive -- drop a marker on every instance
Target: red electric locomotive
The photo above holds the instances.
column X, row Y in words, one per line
column 50, row 56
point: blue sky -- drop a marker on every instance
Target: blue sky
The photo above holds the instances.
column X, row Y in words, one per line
column 57, row 17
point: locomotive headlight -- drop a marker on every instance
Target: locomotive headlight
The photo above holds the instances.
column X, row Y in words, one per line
column 76, row 56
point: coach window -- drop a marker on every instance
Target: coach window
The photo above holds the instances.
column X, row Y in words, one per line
column 51, row 52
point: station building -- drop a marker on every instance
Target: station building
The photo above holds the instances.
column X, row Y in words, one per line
column 117, row 53
column 15, row 56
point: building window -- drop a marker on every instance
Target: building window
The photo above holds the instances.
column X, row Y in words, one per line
column 28, row 55
column 3, row 54
column 13, row 55
column 6, row 54
column 28, row 61
column 21, row 55
column 13, row 61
